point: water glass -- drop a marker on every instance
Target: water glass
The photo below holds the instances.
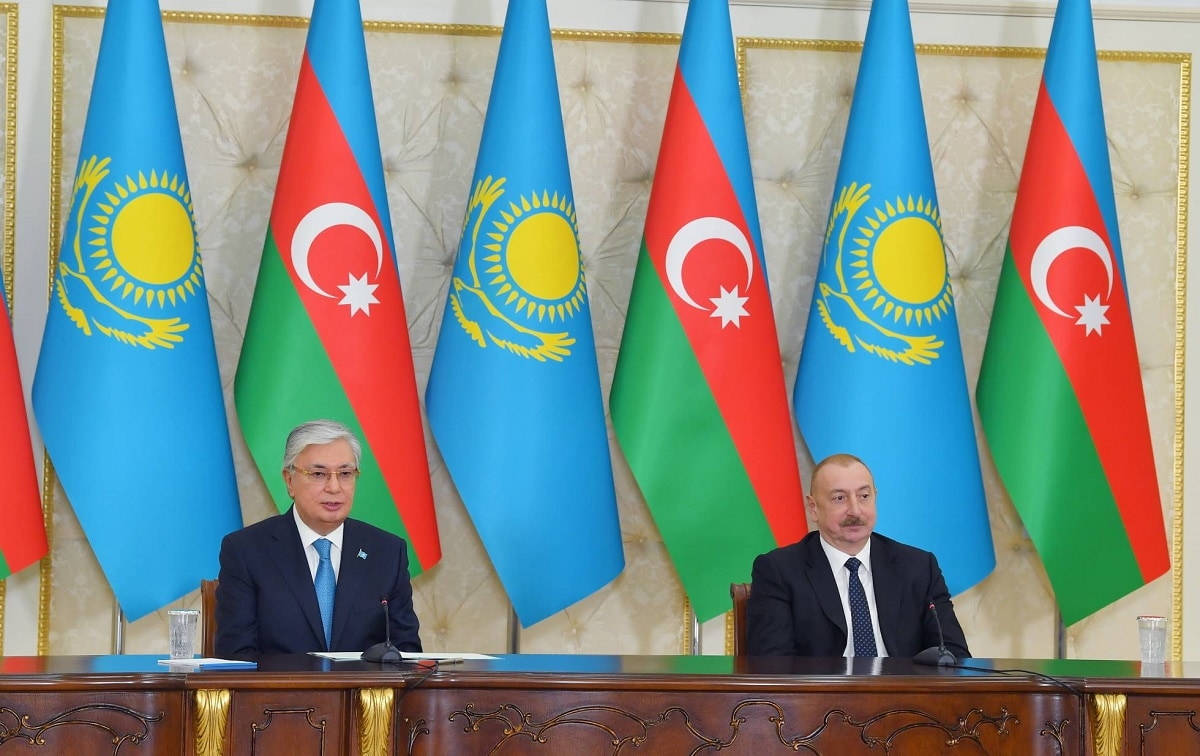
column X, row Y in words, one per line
column 1152, row 636
column 183, row 624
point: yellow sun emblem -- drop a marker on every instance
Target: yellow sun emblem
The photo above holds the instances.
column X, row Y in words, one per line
column 525, row 272
column 135, row 257
column 534, row 258
column 891, row 283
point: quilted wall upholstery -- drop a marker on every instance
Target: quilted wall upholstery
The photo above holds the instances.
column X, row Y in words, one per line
column 234, row 79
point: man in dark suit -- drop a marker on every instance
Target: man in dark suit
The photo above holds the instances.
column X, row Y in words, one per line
column 804, row 600
column 272, row 572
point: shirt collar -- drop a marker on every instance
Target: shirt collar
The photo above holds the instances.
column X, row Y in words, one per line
column 308, row 535
column 837, row 558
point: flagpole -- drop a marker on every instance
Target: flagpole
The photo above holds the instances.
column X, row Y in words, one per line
column 697, row 643
column 691, row 629
column 514, row 631
column 118, row 629
column 1060, row 641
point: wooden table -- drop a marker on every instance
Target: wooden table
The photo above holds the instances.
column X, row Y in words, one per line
column 297, row 705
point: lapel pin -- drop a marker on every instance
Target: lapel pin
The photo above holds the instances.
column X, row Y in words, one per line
column 362, row 554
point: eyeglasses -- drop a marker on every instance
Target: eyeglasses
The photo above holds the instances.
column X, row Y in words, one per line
column 321, row 477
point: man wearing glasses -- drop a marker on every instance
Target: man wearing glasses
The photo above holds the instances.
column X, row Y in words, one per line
column 312, row 579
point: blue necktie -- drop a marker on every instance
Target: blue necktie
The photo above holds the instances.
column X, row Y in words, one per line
column 860, row 613
column 325, row 584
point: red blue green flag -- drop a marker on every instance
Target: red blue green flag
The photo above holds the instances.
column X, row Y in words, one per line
column 1060, row 391
column 23, row 537
column 327, row 335
column 699, row 402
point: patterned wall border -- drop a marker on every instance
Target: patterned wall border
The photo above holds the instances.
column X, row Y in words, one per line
column 9, row 13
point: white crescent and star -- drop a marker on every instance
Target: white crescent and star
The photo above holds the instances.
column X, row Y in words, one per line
column 359, row 292
column 729, row 305
column 1091, row 313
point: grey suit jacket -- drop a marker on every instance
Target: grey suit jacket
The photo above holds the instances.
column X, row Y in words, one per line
column 795, row 610
column 266, row 602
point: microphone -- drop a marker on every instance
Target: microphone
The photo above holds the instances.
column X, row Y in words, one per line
column 383, row 653
column 939, row 655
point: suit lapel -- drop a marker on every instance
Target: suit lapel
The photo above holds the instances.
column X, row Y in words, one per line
column 887, row 590
column 820, row 576
column 287, row 552
column 352, row 576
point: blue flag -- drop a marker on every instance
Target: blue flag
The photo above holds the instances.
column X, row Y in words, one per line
column 514, row 392
column 881, row 371
column 127, row 392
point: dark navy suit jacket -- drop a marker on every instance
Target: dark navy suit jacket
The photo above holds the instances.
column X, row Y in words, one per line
column 794, row 608
column 266, row 602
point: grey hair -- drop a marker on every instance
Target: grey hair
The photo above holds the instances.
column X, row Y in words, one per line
column 319, row 432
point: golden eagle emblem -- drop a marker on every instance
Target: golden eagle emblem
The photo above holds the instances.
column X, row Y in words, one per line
column 890, row 284
column 133, row 256
column 525, row 272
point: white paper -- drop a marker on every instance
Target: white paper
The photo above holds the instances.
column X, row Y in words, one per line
column 416, row 655
column 208, row 663
column 405, row 655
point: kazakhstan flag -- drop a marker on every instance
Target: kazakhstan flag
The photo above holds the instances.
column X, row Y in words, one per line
column 127, row 392
column 514, row 393
column 881, row 371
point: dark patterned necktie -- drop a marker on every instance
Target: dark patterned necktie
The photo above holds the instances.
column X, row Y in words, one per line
column 860, row 613
column 326, row 584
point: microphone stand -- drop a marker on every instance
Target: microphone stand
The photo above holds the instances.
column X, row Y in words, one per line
column 384, row 653
column 939, row 655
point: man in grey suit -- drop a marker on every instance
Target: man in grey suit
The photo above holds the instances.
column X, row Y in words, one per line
column 312, row 579
column 843, row 590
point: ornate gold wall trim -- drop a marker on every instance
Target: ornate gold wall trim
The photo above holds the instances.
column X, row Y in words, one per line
column 9, row 11
column 9, row 255
column 1177, row 469
column 49, row 480
column 403, row 27
column 1128, row 12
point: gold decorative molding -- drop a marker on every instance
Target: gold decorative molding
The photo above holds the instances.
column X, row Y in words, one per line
column 1145, row 11
column 46, row 567
column 9, row 11
column 404, row 27
column 1109, row 732
column 375, row 720
column 1177, row 470
column 9, row 255
column 212, row 716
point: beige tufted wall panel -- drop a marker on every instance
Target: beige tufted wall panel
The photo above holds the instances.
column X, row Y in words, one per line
column 234, row 79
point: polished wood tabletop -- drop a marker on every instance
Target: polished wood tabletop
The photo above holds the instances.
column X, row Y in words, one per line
column 549, row 704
